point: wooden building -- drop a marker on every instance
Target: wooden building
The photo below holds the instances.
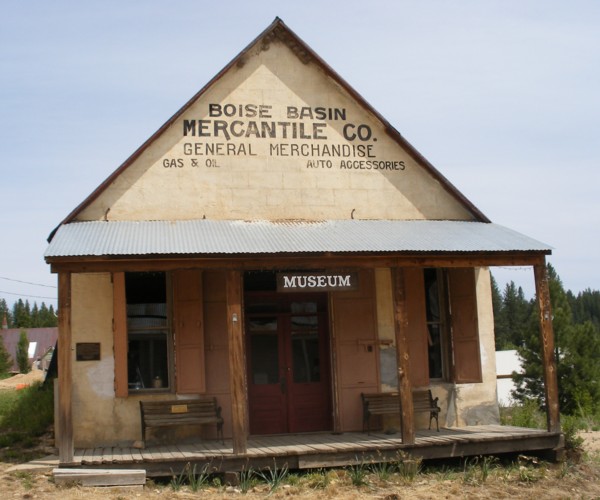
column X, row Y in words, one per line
column 279, row 246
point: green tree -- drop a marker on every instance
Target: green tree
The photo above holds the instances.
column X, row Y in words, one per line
column 5, row 361
column 500, row 330
column 4, row 310
column 47, row 318
column 23, row 353
column 577, row 349
column 585, row 307
column 511, row 315
column 21, row 314
column 516, row 310
column 34, row 321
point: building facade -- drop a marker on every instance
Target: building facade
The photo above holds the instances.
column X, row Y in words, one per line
column 280, row 246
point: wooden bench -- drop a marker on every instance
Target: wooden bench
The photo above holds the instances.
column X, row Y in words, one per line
column 388, row 403
column 181, row 412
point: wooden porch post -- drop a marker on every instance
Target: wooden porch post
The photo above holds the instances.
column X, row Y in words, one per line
column 407, row 420
column 65, row 368
column 547, row 343
column 237, row 363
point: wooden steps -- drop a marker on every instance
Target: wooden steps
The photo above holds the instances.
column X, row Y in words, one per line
column 100, row 477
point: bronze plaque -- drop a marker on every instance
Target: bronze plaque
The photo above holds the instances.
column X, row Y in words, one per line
column 87, row 351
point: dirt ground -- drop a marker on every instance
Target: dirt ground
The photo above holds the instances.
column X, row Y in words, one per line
column 578, row 477
column 21, row 380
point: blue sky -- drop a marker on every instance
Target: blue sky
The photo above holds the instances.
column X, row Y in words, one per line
column 501, row 96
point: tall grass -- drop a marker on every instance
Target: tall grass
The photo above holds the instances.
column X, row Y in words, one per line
column 25, row 414
column 528, row 414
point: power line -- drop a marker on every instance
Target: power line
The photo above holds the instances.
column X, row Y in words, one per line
column 26, row 282
column 25, row 295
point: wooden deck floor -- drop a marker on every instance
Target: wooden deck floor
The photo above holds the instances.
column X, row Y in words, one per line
column 301, row 451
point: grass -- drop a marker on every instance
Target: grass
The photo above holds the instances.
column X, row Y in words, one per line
column 523, row 477
column 275, row 476
column 24, row 416
column 529, row 414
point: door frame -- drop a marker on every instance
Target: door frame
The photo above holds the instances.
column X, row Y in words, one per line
column 284, row 314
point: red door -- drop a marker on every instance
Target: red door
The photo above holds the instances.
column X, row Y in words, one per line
column 288, row 363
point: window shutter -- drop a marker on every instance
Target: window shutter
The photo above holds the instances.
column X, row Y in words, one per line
column 416, row 334
column 120, row 335
column 188, row 327
column 465, row 334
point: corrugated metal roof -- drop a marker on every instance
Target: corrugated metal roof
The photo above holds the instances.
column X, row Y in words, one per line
column 112, row 238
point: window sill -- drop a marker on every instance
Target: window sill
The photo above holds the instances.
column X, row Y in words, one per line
column 149, row 390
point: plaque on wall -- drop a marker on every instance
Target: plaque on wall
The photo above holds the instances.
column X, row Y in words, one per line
column 87, row 351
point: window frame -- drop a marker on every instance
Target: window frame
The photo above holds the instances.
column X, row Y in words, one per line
column 460, row 344
column 443, row 324
column 121, row 333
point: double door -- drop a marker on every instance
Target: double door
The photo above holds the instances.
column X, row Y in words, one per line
column 289, row 386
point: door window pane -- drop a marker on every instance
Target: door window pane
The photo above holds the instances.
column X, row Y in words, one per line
column 305, row 349
column 264, row 348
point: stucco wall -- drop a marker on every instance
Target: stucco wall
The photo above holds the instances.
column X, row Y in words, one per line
column 477, row 404
column 95, row 419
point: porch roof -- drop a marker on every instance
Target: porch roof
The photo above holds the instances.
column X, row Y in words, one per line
column 234, row 237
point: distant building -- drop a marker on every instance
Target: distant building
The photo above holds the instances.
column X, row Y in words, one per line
column 41, row 340
column 507, row 362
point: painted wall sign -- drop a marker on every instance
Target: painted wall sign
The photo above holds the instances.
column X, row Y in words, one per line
column 320, row 137
column 317, row 282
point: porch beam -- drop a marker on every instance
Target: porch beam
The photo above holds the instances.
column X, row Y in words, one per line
column 278, row 261
column 65, row 371
column 407, row 419
column 237, row 363
column 547, row 344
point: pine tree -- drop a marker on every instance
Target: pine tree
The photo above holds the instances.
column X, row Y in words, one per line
column 21, row 314
column 52, row 317
column 34, row 321
column 5, row 361
column 5, row 310
column 23, row 353
column 585, row 307
column 577, row 349
column 511, row 314
column 500, row 330
column 47, row 316
column 516, row 311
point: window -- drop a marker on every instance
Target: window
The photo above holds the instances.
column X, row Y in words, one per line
column 436, row 324
column 148, row 331
column 443, row 333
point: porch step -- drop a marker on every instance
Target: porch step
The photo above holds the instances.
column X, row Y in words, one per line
column 100, row 477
